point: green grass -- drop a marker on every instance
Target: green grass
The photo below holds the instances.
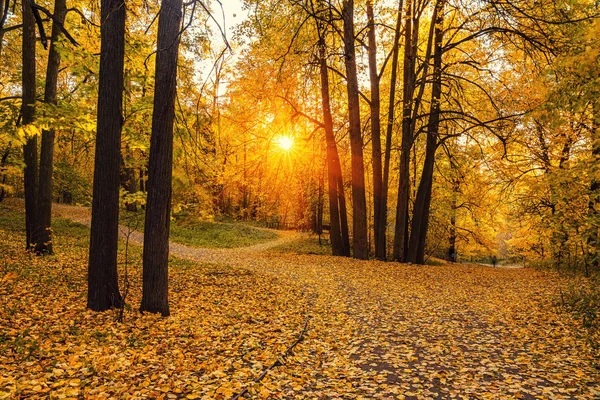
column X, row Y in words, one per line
column 206, row 234
column 216, row 234
column 309, row 245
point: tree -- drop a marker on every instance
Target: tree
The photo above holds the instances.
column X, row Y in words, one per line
column 155, row 293
column 375, row 107
column 420, row 220
column 381, row 249
column 44, row 242
column 337, row 203
column 28, row 76
column 103, row 284
column 411, row 33
column 360, row 245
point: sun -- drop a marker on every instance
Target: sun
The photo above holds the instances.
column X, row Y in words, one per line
column 285, row 142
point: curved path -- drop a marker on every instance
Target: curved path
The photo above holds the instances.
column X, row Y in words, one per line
column 387, row 330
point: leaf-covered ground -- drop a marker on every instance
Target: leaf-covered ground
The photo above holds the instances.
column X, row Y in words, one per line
column 375, row 330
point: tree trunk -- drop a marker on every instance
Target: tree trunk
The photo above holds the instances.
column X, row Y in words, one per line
column 401, row 229
column 360, row 242
column 594, row 189
column 44, row 244
column 420, row 221
column 155, row 294
column 3, row 160
column 103, row 284
column 27, row 118
column 382, row 249
column 343, row 216
column 4, row 7
column 452, row 255
column 333, row 160
column 375, row 137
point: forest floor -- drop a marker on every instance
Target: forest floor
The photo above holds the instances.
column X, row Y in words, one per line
column 370, row 329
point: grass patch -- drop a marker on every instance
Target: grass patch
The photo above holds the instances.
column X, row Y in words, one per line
column 308, row 245
column 206, row 234
column 220, row 235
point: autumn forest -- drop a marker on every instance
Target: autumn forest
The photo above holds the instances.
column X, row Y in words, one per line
column 300, row 199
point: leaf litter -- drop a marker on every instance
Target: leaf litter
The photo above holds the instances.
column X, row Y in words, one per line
column 375, row 330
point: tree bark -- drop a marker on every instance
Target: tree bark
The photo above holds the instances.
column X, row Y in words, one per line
column 452, row 256
column 594, row 189
column 375, row 136
column 388, row 135
column 4, row 6
column 401, row 228
column 103, row 285
column 44, row 244
column 420, row 221
column 3, row 160
column 333, row 161
column 155, row 293
column 27, row 118
column 360, row 242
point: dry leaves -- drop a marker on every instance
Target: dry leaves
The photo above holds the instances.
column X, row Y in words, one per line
column 376, row 330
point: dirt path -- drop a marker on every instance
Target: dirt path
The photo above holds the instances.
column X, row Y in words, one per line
column 82, row 215
column 386, row 330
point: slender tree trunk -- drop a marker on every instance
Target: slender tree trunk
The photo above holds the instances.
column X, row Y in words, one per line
column 452, row 256
column 594, row 189
column 44, row 244
column 360, row 242
column 420, row 221
column 382, row 249
column 103, row 284
column 28, row 116
column 343, row 215
column 401, row 229
column 333, row 160
column 4, row 5
column 375, row 137
column 3, row 160
column 155, row 294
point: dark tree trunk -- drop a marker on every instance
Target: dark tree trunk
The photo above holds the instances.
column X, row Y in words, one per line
column 44, row 244
column 319, row 214
column 3, row 160
column 401, row 228
column 103, row 284
column 375, row 137
column 27, row 117
column 360, row 243
column 343, row 215
column 452, row 256
column 155, row 294
column 333, row 161
column 382, row 249
column 420, row 221
column 4, row 6
column 594, row 201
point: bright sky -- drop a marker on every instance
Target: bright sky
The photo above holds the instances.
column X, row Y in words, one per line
column 233, row 14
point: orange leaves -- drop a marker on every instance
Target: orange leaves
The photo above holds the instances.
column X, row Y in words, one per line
column 377, row 330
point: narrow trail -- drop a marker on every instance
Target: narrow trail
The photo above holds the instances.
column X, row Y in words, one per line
column 388, row 330
column 82, row 215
